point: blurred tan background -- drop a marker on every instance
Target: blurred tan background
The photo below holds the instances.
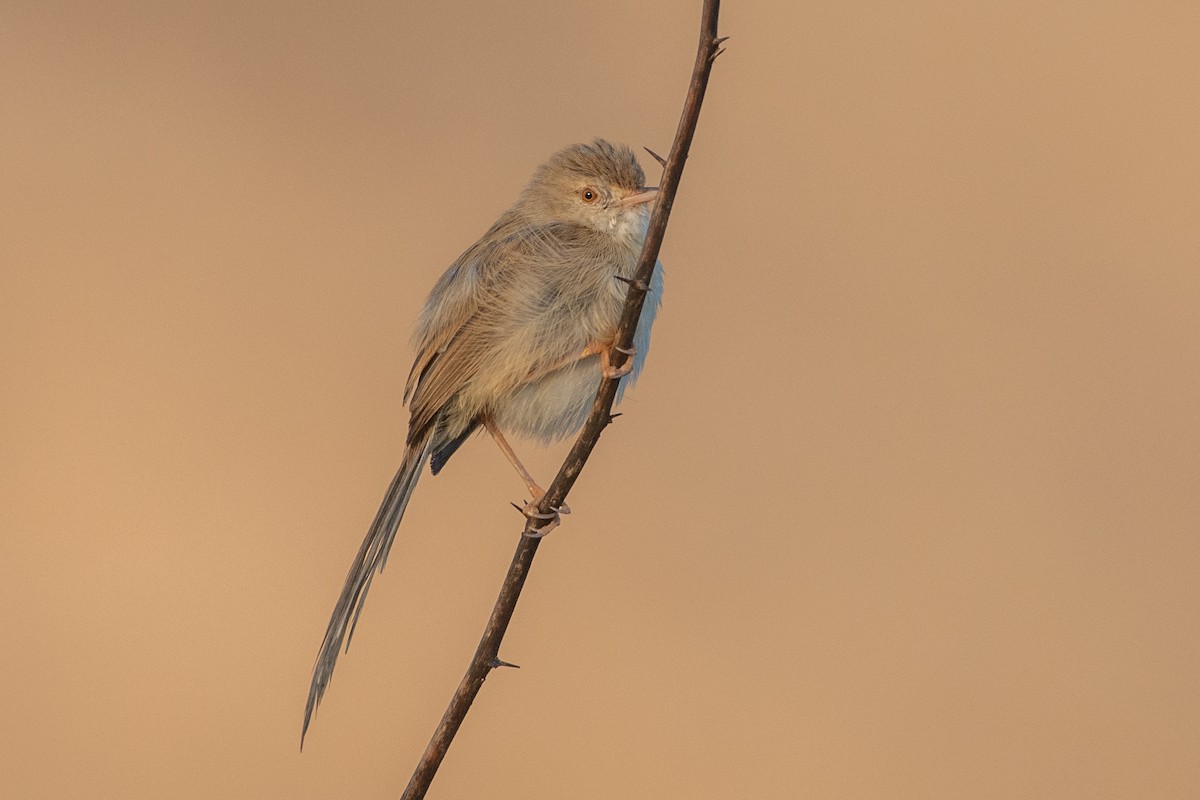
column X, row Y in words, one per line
column 908, row 495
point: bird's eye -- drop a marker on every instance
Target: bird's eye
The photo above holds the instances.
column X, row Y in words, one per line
column 588, row 195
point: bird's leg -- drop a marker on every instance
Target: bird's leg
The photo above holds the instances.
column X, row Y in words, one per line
column 505, row 448
column 590, row 350
column 594, row 349
column 536, row 491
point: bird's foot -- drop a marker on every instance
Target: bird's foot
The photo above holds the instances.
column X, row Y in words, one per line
column 549, row 519
column 606, row 367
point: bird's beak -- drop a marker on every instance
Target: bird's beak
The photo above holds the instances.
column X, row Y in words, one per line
column 645, row 196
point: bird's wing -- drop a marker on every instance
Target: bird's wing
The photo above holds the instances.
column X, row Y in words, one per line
column 482, row 301
column 455, row 298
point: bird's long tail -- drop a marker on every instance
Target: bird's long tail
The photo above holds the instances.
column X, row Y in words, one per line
column 370, row 559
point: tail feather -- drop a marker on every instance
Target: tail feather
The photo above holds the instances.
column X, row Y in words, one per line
column 370, row 559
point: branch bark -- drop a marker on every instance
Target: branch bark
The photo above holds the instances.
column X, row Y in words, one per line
column 487, row 653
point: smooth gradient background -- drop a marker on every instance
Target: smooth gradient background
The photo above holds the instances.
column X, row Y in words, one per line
column 905, row 505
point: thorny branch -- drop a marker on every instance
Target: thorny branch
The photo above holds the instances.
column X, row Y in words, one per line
column 487, row 654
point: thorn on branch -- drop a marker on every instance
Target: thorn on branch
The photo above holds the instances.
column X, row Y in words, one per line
column 611, row 417
column 495, row 663
column 640, row 285
column 662, row 162
column 716, row 48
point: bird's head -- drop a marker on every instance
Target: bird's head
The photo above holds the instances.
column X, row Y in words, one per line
column 598, row 185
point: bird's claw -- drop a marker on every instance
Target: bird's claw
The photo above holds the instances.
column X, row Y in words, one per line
column 550, row 520
column 537, row 533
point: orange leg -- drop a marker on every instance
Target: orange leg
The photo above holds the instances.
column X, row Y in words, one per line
column 505, row 448
column 594, row 349
column 536, row 491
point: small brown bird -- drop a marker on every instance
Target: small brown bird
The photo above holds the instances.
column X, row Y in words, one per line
column 515, row 336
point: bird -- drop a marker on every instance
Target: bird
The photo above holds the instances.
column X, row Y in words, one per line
column 515, row 338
